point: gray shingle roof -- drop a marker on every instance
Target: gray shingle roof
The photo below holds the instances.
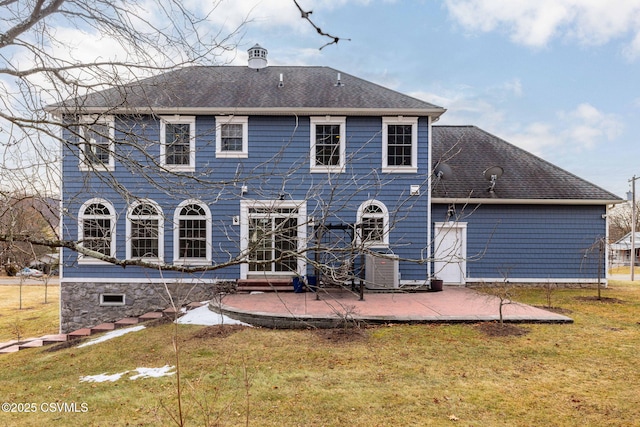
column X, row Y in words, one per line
column 469, row 151
column 226, row 89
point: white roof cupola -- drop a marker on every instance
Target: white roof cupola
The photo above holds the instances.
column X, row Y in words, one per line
column 257, row 57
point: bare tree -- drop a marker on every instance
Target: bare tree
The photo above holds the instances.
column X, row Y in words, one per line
column 52, row 50
column 620, row 220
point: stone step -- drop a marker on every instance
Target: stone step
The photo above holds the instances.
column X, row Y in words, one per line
column 10, row 349
column 193, row 305
column 54, row 338
column 31, row 344
column 265, row 285
column 127, row 321
column 152, row 315
column 171, row 312
column 103, row 327
column 265, row 289
column 80, row 333
column 8, row 343
column 14, row 345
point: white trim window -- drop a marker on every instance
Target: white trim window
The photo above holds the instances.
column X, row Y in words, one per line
column 97, row 230
column 232, row 136
column 328, row 144
column 97, row 134
column 372, row 225
column 178, row 143
column 192, row 233
column 400, row 144
column 145, row 231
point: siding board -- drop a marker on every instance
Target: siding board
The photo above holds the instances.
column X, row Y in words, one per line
column 278, row 160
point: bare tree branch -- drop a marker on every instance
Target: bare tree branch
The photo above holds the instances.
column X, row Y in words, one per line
column 306, row 15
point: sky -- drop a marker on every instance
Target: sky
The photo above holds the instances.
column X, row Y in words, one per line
column 559, row 78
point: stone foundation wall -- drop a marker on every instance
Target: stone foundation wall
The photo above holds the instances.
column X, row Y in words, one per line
column 80, row 302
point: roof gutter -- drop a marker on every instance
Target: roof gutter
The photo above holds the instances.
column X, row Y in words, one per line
column 242, row 111
column 478, row 201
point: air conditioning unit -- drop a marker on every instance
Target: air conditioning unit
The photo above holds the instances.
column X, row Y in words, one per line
column 381, row 272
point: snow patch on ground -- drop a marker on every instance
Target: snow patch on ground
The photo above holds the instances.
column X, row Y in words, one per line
column 204, row 316
column 142, row 373
column 111, row 335
column 102, row 378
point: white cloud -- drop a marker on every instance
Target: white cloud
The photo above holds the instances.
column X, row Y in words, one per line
column 581, row 128
column 466, row 105
column 536, row 22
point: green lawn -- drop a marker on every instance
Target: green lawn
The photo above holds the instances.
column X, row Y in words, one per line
column 555, row 375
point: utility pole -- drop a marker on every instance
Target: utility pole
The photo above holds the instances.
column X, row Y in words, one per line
column 633, row 226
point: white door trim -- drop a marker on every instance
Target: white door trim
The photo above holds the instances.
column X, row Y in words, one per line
column 450, row 252
column 300, row 205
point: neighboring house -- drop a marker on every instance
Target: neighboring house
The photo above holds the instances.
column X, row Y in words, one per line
column 621, row 251
column 26, row 215
column 298, row 171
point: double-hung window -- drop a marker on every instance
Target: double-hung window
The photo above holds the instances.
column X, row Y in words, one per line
column 96, row 230
column 192, row 233
column 96, row 143
column 145, row 231
column 232, row 136
column 400, row 144
column 328, row 145
column 177, row 143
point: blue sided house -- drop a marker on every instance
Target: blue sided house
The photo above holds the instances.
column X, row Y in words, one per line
column 236, row 178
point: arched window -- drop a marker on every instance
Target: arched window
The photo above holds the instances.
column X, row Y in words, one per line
column 373, row 224
column 192, row 233
column 145, row 231
column 96, row 229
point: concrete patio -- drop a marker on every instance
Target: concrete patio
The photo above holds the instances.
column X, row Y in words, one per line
column 455, row 304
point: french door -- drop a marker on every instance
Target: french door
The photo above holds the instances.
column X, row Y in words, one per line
column 273, row 236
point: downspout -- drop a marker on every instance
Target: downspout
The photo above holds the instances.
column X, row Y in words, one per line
column 61, row 213
column 606, row 243
column 429, row 178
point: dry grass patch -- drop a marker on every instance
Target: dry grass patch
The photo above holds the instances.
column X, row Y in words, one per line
column 410, row 375
column 35, row 318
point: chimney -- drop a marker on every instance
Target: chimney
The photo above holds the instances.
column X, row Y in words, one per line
column 257, row 57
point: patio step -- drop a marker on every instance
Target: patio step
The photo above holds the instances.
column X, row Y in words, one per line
column 8, row 344
column 14, row 345
column 54, row 338
column 127, row 321
column 152, row 315
column 103, row 327
column 31, row 344
column 265, row 285
column 80, row 333
column 10, row 349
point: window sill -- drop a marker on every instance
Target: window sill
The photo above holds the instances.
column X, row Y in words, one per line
column 231, row 155
column 325, row 169
column 174, row 168
column 186, row 262
column 399, row 169
column 92, row 261
column 96, row 168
